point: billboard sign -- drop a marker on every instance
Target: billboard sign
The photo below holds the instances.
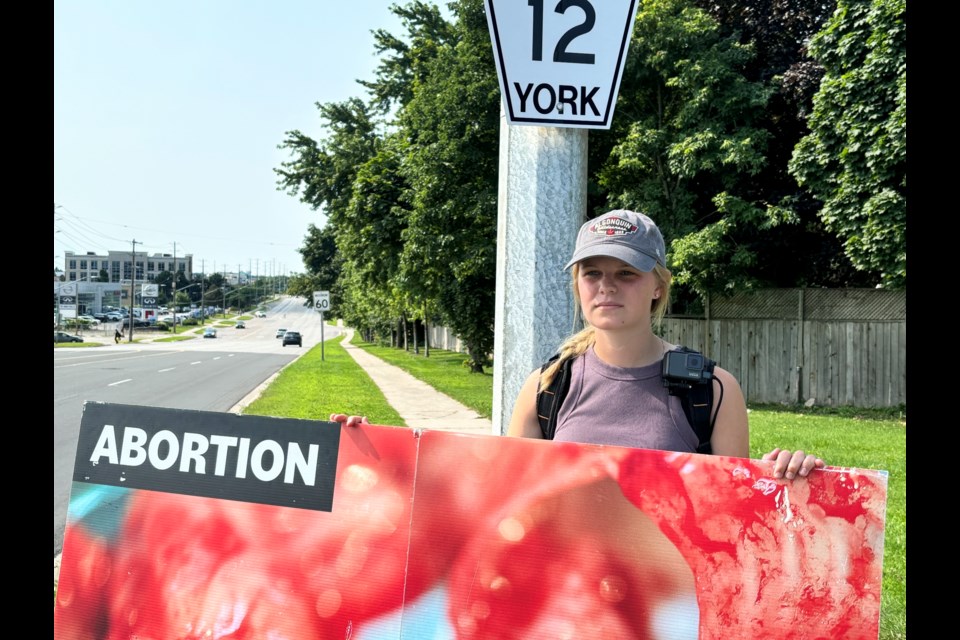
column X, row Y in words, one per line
column 517, row 538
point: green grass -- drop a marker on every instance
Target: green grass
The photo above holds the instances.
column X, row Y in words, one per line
column 312, row 389
column 76, row 345
column 859, row 442
column 176, row 338
column 445, row 371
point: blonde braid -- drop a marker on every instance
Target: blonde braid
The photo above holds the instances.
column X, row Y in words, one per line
column 574, row 346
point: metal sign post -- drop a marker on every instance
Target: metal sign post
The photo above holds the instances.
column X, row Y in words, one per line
column 321, row 302
column 559, row 66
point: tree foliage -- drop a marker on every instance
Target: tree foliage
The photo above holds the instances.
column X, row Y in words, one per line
column 714, row 99
column 404, row 62
column 690, row 141
column 323, row 262
column 449, row 252
column 854, row 159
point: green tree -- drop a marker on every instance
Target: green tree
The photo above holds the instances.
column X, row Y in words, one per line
column 322, row 175
column 854, row 160
column 164, row 280
column 404, row 61
column 799, row 251
column 370, row 239
column 323, row 263
column 353, row 177
column 452, row 125
column 689, row 142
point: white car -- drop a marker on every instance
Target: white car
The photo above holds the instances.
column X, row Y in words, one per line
column 260, row 314
column 90, row 320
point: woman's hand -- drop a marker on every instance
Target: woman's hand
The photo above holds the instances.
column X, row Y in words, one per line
column 790, row 464
column 348, row 421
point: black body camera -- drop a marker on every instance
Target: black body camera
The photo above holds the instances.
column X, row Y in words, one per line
column 684, row 367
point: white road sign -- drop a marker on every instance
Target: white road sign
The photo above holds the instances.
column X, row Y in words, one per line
column 321, row 300
column 560, row 61
column 151, row 290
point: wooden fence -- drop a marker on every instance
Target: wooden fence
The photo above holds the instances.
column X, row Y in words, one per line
column 827, row 347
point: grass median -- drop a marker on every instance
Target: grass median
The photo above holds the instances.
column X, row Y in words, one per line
column 312, row 388
column 868, row 439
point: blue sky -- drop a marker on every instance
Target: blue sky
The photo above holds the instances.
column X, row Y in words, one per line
column 167, row 117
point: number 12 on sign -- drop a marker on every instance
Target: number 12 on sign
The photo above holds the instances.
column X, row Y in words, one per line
column 560, row 62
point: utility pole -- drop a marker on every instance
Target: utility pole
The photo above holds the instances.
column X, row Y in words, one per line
column 174, row 302
column 133, row 280
column 203, row 293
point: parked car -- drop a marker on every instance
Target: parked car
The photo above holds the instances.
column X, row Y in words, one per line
column 60, row 336
column 209, row 332
column 280, row 332
column 292, row 337
column 241, row 324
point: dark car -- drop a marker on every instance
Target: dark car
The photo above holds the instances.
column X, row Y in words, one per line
column 292, row 337
column 60, row 336
column 241, row 324
column 209, row 332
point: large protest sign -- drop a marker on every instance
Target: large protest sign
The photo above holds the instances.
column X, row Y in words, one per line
column 428, row 534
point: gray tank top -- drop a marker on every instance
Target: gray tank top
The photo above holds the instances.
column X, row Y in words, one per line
column 627, row 407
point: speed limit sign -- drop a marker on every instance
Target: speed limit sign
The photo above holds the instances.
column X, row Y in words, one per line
column 321, row 301
column 560, row 61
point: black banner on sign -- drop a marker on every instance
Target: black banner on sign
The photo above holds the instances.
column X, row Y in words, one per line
column 277, row 461
column 148, row 303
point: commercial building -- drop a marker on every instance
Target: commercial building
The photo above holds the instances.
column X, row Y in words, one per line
column 119, row 267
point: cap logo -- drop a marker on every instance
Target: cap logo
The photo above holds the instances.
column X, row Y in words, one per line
column 613, row 226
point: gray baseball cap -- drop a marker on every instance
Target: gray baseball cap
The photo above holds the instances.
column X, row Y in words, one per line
column 626, row 235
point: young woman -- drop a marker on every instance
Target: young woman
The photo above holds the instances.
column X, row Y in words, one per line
column 621, row 286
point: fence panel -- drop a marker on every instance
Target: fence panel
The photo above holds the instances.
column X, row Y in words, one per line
column 826, row 346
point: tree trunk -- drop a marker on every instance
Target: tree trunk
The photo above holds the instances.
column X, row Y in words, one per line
column 426, row 336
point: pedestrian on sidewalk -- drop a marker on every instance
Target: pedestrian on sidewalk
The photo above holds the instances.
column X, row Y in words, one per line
column 117, row 335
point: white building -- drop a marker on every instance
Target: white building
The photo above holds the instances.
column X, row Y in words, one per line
column 119, row 266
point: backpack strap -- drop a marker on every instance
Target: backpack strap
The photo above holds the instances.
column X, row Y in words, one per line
column 550, row 399
column 696, row 400
column 697, row 404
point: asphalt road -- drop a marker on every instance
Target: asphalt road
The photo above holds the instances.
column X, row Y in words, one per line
column 202, row 374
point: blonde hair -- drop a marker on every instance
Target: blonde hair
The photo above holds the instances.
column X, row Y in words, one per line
column 582, row 340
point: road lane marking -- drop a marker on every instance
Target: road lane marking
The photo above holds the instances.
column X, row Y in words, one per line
column 165, row 370
column 113, row 384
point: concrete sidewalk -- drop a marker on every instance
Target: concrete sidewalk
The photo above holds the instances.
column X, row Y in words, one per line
column 419, row 404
